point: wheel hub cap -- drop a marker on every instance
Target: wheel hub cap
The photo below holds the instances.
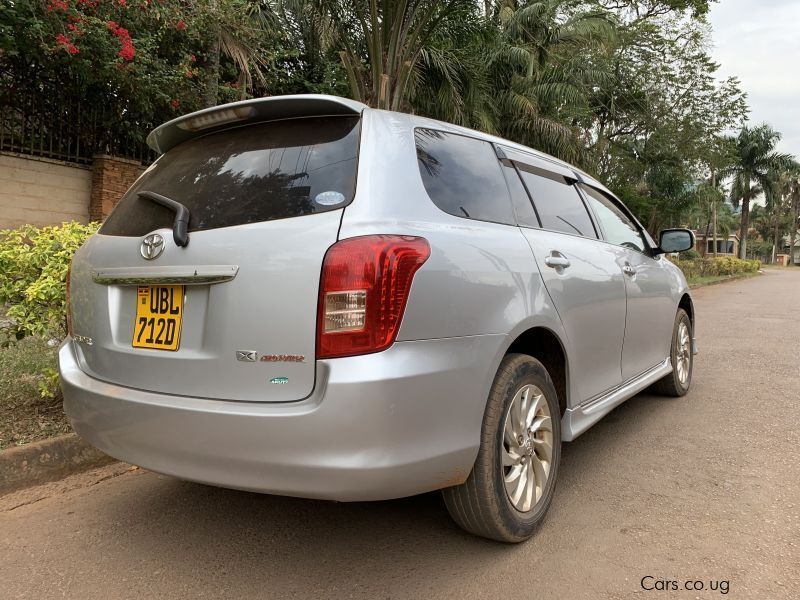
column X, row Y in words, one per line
column 527, row 447
column 684, row 353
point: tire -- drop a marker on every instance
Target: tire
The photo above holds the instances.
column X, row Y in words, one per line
column 673, row 384
column 481, row 505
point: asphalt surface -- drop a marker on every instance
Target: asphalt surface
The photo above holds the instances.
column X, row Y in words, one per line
column 700, row 489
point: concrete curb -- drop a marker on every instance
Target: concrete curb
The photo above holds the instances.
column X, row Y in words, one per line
column 47, row 460
column 694, row 286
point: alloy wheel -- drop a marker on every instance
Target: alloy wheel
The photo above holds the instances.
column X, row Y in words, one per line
column 527, row 447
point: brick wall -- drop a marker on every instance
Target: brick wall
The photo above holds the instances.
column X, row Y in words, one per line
column 41, row 191
column 111, row 178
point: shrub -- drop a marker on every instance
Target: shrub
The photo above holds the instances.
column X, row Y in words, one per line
column 721, row 265
column 33, row 269
column 690, row 254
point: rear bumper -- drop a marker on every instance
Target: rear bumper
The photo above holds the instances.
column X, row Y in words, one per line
column 385, row 425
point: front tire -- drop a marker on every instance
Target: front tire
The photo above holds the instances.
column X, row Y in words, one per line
column 678, row 382
column 512, row 483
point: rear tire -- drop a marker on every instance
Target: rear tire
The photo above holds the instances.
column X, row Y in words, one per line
column 677, row 383
column 511, row 486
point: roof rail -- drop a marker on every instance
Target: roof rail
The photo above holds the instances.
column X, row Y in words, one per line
column 186, row 127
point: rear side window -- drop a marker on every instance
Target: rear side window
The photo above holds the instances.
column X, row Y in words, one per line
column 246, row 175
column 462, row 176
column 557, row 202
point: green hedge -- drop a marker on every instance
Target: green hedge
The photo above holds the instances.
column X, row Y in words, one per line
column 33, row 270
column 721, row 265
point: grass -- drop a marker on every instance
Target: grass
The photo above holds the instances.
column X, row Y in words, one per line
column 707, row 279
column 24, row 415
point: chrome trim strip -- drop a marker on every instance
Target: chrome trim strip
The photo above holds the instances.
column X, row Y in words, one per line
column 577, row 420
column 177, row 275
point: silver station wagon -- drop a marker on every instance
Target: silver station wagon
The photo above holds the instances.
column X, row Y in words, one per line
column 305, row 296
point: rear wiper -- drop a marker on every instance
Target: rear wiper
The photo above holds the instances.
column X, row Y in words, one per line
column 180, row 227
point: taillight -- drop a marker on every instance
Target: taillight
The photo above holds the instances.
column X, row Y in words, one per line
column 363, row 292
column 68, row 303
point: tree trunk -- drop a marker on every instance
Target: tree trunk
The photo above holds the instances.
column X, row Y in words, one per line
column 745, row 220
column 210, row 95
column 794, row 202
column 714, row 210
column 776, row 241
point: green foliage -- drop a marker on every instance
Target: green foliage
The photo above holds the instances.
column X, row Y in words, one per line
column 627, row 89
column 721, row 265
column 33, row 269
column 30, row 400
column 48, row 384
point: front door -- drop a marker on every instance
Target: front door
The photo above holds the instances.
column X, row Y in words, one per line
column 648, row 284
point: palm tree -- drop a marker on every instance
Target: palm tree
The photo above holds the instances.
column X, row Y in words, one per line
column 539, row 73
column 781, row 205
column 381, row 42
column 754, row 161
column 235, row 30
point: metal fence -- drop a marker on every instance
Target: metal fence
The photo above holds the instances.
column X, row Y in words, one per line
column 36, row 119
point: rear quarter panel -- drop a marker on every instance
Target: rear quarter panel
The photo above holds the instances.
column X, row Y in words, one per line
column 480, row 279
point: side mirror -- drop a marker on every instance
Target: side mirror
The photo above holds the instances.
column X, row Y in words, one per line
column 675, row 240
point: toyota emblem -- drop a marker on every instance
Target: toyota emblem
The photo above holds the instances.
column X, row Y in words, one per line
column 152, row 246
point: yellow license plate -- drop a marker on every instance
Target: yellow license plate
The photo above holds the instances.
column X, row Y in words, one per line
column 159, row 312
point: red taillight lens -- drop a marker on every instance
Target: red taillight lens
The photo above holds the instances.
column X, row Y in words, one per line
column 363, row 292
column 68, row 303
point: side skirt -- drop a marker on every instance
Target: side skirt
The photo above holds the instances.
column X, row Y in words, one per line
column 577, row 420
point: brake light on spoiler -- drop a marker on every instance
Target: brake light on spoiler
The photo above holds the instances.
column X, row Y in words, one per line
column 363, row 292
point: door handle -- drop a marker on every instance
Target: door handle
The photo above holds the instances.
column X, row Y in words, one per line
column 557, row 260
column 629, row 270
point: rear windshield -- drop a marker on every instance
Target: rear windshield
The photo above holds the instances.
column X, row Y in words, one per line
column 250, row 174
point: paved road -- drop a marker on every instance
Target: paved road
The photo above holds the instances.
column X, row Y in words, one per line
column 702, row 488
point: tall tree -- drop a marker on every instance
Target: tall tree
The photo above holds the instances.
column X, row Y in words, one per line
column 755, row 161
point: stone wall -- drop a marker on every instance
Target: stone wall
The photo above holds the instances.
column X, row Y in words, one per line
column 111, row 178
column 41, row 191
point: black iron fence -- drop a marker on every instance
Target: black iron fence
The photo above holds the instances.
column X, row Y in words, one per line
column 36, row 119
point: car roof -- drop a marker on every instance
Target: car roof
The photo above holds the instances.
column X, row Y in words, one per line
column 216, row 118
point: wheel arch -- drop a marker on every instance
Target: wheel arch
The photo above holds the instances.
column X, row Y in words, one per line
column 545, row 346
column 687, row 305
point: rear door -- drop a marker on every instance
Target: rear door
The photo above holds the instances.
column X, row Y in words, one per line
column 581, row 274
column 265, row 203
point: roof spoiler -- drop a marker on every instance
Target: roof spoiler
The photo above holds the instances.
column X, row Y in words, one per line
column 173, row 132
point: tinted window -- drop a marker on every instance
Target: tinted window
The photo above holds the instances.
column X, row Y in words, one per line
column 523, row 208
column 617, row 227
column 462, row 176
column 557, row 202
column 254, row 173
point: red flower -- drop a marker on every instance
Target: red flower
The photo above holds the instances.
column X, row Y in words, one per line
column 64, row 42
column 57, row 4
column 127, row 52
column 192, row 58
column 122, row 3
column 180, row 25
column 175, row 103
